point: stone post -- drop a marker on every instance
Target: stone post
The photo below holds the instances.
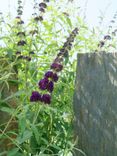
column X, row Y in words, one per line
column 95, row 104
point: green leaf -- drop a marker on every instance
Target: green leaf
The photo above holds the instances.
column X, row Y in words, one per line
column 27, row 135
column 66, row 60
column 22, row 124
column 8, row 110
column 45, row 141
column 14, row 82
column 69, row 21
column 36, row 132
column 13, row 95
column 13, row 152
column 55, row 147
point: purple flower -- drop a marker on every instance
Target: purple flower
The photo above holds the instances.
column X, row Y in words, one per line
column 28, row 58
column 19, row 11
column 18, row 17
column 43, row 5
column 57, row 67
column 107, row 37
column 62, row 50
column 58, row 59
column 33, row 32
column 55, row 77
column 21, row 34
column 50, row 86
column 38, row 18
column 35, row 96
column 21, row 43
column 20, row 22
column 46, row 98
column 47, row 83
column 43, row 83
column 59, row 54
column 18, row 53
column 42, row 9
column 49, row 74
column 75, row 31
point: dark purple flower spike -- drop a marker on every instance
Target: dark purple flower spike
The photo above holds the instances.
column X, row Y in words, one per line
column 50, row 86
column 35, row 97
column 52, row 76
column 43, row 83
column 43, row 5
column 57, row 67
column 47, row 83
column 46, row 98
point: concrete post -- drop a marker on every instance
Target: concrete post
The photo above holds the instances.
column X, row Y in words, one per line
column 95, row 104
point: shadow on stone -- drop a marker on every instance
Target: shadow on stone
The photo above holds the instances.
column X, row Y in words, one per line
column 95, row 104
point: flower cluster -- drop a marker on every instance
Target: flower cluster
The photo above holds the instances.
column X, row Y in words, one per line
column 36, row 96
column 102, row 43
column 33, row 32
column 19, row 21
column 108, row 37
column 27, row 58
column 47, row 83
column 67, row 45
column 23, row 57
column 39, row 10
column 114, row 32
column 21, row 43
column 41, row 7
column 51, row 76
column 20, row 8
column 19, row 13
column 21, row 34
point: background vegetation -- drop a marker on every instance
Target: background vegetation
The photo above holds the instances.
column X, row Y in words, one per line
column 41, row 129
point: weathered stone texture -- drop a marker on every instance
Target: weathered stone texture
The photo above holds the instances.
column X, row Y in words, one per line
column 95, row 104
